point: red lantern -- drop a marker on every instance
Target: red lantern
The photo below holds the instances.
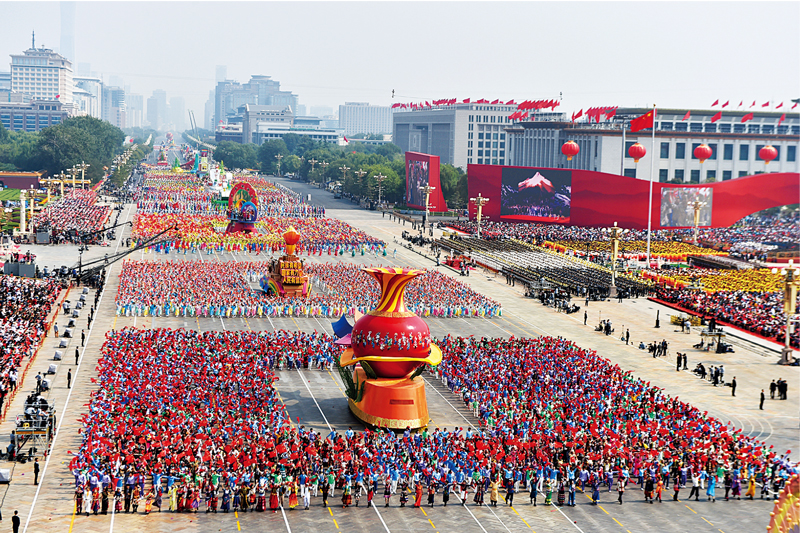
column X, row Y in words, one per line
column 703, row 152
column 570, row 149
column 636, row 151
column 768, row 153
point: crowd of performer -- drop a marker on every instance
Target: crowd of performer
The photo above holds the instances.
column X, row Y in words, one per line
column 24, row 306
column 226, row 289
column 554, row 419
column 76, row 211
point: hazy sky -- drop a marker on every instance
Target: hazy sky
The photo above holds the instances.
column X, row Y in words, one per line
column 674, row 54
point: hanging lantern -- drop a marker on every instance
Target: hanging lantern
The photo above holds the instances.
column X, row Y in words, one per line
column 703, row 152
column 570, row 149
column 768, row 153
column 637, row 151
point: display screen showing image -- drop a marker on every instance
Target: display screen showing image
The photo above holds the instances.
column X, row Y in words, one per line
column 418, row 173
column 678, row 205
column 536, row 194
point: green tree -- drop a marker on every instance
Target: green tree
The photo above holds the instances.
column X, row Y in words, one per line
column 236, row 155
column 267, row 153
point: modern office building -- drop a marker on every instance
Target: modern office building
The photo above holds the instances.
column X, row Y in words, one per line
column 459, row 134
column 32, row 116
column 157, row 109
column 135, row 110
column 260, row 90
column 67, row 47
column 269, row 131
column 255, row 115
column 43, row 75
column 88, row 96
column 734, row 144
column 208, row 119
column 360, row 117
column 5, row 81
column 114, row 107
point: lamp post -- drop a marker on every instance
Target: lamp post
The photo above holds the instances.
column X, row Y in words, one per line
column 324, row 165
column 426, row 190
column 312, row 162
column 344, row 169
column 279, row 157
column 22, row 224
column 615, row 233
column 791, row 281
column 379, row 178
column 479, row 202
column 61, row 177
column 697, row 205
column 82, row 167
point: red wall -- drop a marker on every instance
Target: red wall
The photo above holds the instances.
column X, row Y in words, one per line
column 600, row 199
column 436, row 199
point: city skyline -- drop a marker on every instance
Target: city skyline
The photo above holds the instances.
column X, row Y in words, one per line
column 601, row 54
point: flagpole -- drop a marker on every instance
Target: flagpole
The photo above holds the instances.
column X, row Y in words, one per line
column 622, row 159
column 652, row 171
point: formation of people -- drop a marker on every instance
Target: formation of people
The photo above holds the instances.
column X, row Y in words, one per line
column 76, row 211
column 25, row 304
column 555, row 419
column 223, row 289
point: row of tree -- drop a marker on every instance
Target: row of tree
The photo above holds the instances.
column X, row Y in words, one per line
column 57, row 148
column 355, row 166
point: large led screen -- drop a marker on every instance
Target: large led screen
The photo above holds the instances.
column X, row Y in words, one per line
column 418, row 176
column 542, row 195
column 677, row 206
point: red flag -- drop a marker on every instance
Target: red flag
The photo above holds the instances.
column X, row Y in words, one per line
column 715, row 103
column 783, row 117
column 779, row 106
column 577, row 115
column 716, row 117
column 765, row 104
column 726, row 104
column 747, row 117
column 510, row 102
column 753, row 104
column 466, row 100
column 345, row 139
column 643, row 122
column 395, row 105
column 741, row 103
column 686, row 116
column 611, row 113
column 496, row 101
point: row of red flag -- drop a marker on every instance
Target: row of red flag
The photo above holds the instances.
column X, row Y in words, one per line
column 647, row 120
column 450, row 101
column 765, row 104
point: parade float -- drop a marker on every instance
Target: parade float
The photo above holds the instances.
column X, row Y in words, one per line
column 387, row 350
column 242, row 209
column 286, row 277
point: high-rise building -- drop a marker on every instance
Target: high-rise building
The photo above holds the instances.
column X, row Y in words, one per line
column 135, row 113
column 177, row 112
column 254, row 115
column 208, row 122
column 34, row 115
column 90, row 99
column 5, row 81
column 157, row 109
column 114, row 108
column 42, row 74
column 221, row 73
column 300, row 111
column 67, row 48
column 360, row 117
column 260, row 90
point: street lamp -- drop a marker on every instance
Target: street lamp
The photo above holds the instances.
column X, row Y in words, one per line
column 279, row 157
column 22, row 224
column 312, row 162
column 82, row 168
column 426, row 190
column 697, row 205
column 791, row 281
column 379, row 178
column 615, row 233
column 479, row 202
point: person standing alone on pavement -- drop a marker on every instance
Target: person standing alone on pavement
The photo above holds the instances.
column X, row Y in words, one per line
column 761, row 404
column 36, row 471
column 733, row 386
column 77, row 355
column 15, row 522
column 69, row 378
column 83, row 337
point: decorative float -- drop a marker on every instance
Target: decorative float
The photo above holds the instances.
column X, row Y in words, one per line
column 242, row 209
column 286, row 277
column 388, row 349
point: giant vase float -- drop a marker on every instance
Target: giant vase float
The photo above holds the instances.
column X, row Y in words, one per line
column 389, row 348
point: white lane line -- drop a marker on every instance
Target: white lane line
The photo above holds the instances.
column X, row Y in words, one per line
column 451, row 405
column 498, row 518
column 63, row 413
column 305, row 382
column 565, row 516
column 285, row 520
column 470, row 512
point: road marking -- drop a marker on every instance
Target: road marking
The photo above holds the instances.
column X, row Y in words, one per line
column 450, row 404
column 692, row 510
column 429, row 520
column 618, row 522
column 470, row 513
column 238, row 525
column 285, row 520
column 601, row 507
column 568, row 518
column 520, row 516
column 423, row 511
column 706, row 520
column 74, row 512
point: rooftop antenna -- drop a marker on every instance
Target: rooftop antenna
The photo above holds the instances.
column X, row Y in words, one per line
column 33, row 40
